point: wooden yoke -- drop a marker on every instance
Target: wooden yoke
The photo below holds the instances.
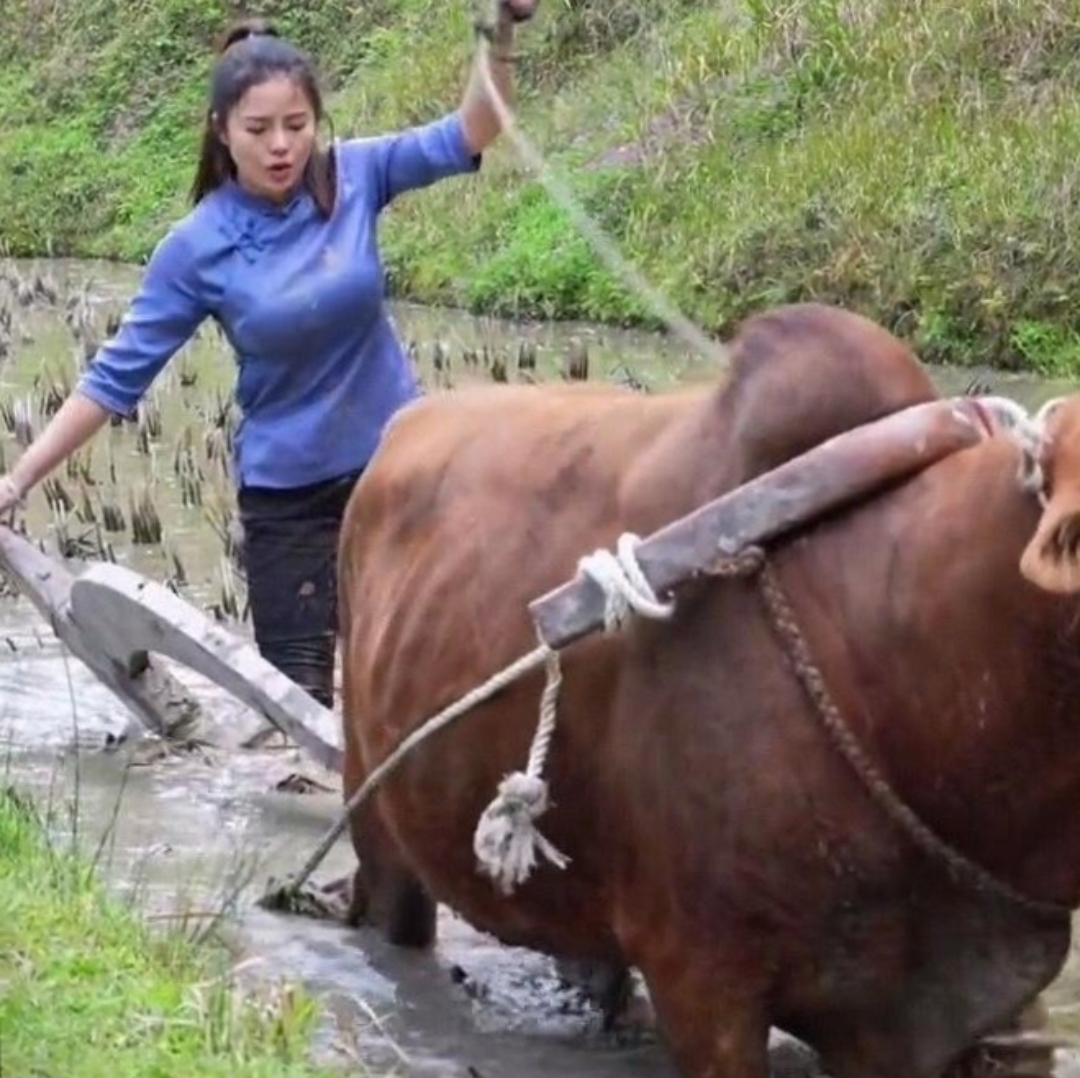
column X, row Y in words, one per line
column 839, row 471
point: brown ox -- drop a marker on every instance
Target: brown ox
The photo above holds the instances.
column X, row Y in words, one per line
column 719, row 842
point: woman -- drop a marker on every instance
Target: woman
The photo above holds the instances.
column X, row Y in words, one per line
column 280, row 248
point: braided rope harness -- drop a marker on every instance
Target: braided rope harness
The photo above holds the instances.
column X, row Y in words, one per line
column 506, row 840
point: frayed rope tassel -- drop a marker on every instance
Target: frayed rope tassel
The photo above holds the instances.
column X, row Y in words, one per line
column 507, row 842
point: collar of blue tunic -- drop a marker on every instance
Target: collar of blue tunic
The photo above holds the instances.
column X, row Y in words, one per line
column 254, row 221
column 248, row 200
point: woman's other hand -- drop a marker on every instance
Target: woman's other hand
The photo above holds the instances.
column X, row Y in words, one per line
column 10, row 496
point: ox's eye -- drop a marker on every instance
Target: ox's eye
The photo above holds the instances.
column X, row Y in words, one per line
column 1046, row 466
column 1067, row 537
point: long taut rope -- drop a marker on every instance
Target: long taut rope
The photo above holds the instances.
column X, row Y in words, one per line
column 663, row 308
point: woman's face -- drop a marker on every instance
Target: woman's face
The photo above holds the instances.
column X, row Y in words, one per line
column 270, row 133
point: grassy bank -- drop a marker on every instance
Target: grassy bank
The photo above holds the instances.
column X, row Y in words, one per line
column 912, row 160
column 87, row 989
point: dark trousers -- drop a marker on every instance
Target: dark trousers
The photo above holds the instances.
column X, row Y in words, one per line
column 290, row 560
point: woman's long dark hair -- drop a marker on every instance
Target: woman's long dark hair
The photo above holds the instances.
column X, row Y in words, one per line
column 250, row 53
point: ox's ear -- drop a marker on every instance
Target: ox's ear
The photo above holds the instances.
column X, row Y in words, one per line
column 1051, row 560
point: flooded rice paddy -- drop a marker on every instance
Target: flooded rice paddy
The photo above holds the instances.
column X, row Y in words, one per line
column 187, row 833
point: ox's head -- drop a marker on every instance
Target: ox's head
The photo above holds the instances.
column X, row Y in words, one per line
column 1052, row 559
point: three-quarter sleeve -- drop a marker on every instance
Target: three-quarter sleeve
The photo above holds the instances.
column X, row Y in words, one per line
column 164, row 313
column 391, row 164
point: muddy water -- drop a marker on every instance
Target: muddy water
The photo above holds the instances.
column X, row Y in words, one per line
column 186, row 834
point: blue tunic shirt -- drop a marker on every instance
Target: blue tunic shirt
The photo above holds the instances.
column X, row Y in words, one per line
column 299, row 298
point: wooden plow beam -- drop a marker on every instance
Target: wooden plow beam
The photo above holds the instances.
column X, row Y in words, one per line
column 115, row 621
column 130, row 613
column 156, row 698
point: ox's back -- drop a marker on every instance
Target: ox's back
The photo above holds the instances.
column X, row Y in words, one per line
column 492, row 494
column 478, row 501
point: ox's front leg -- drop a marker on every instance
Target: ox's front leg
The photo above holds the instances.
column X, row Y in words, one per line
column 386, row 895
column 715, row 1025
column 607, row 985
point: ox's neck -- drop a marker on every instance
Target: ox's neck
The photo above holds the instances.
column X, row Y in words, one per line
column 967, row 675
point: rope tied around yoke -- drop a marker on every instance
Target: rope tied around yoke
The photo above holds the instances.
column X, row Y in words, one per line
column 626, row 588
column 507, row 841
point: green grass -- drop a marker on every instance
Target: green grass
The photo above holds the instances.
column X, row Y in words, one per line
column 914, row 161
column 88, row 989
